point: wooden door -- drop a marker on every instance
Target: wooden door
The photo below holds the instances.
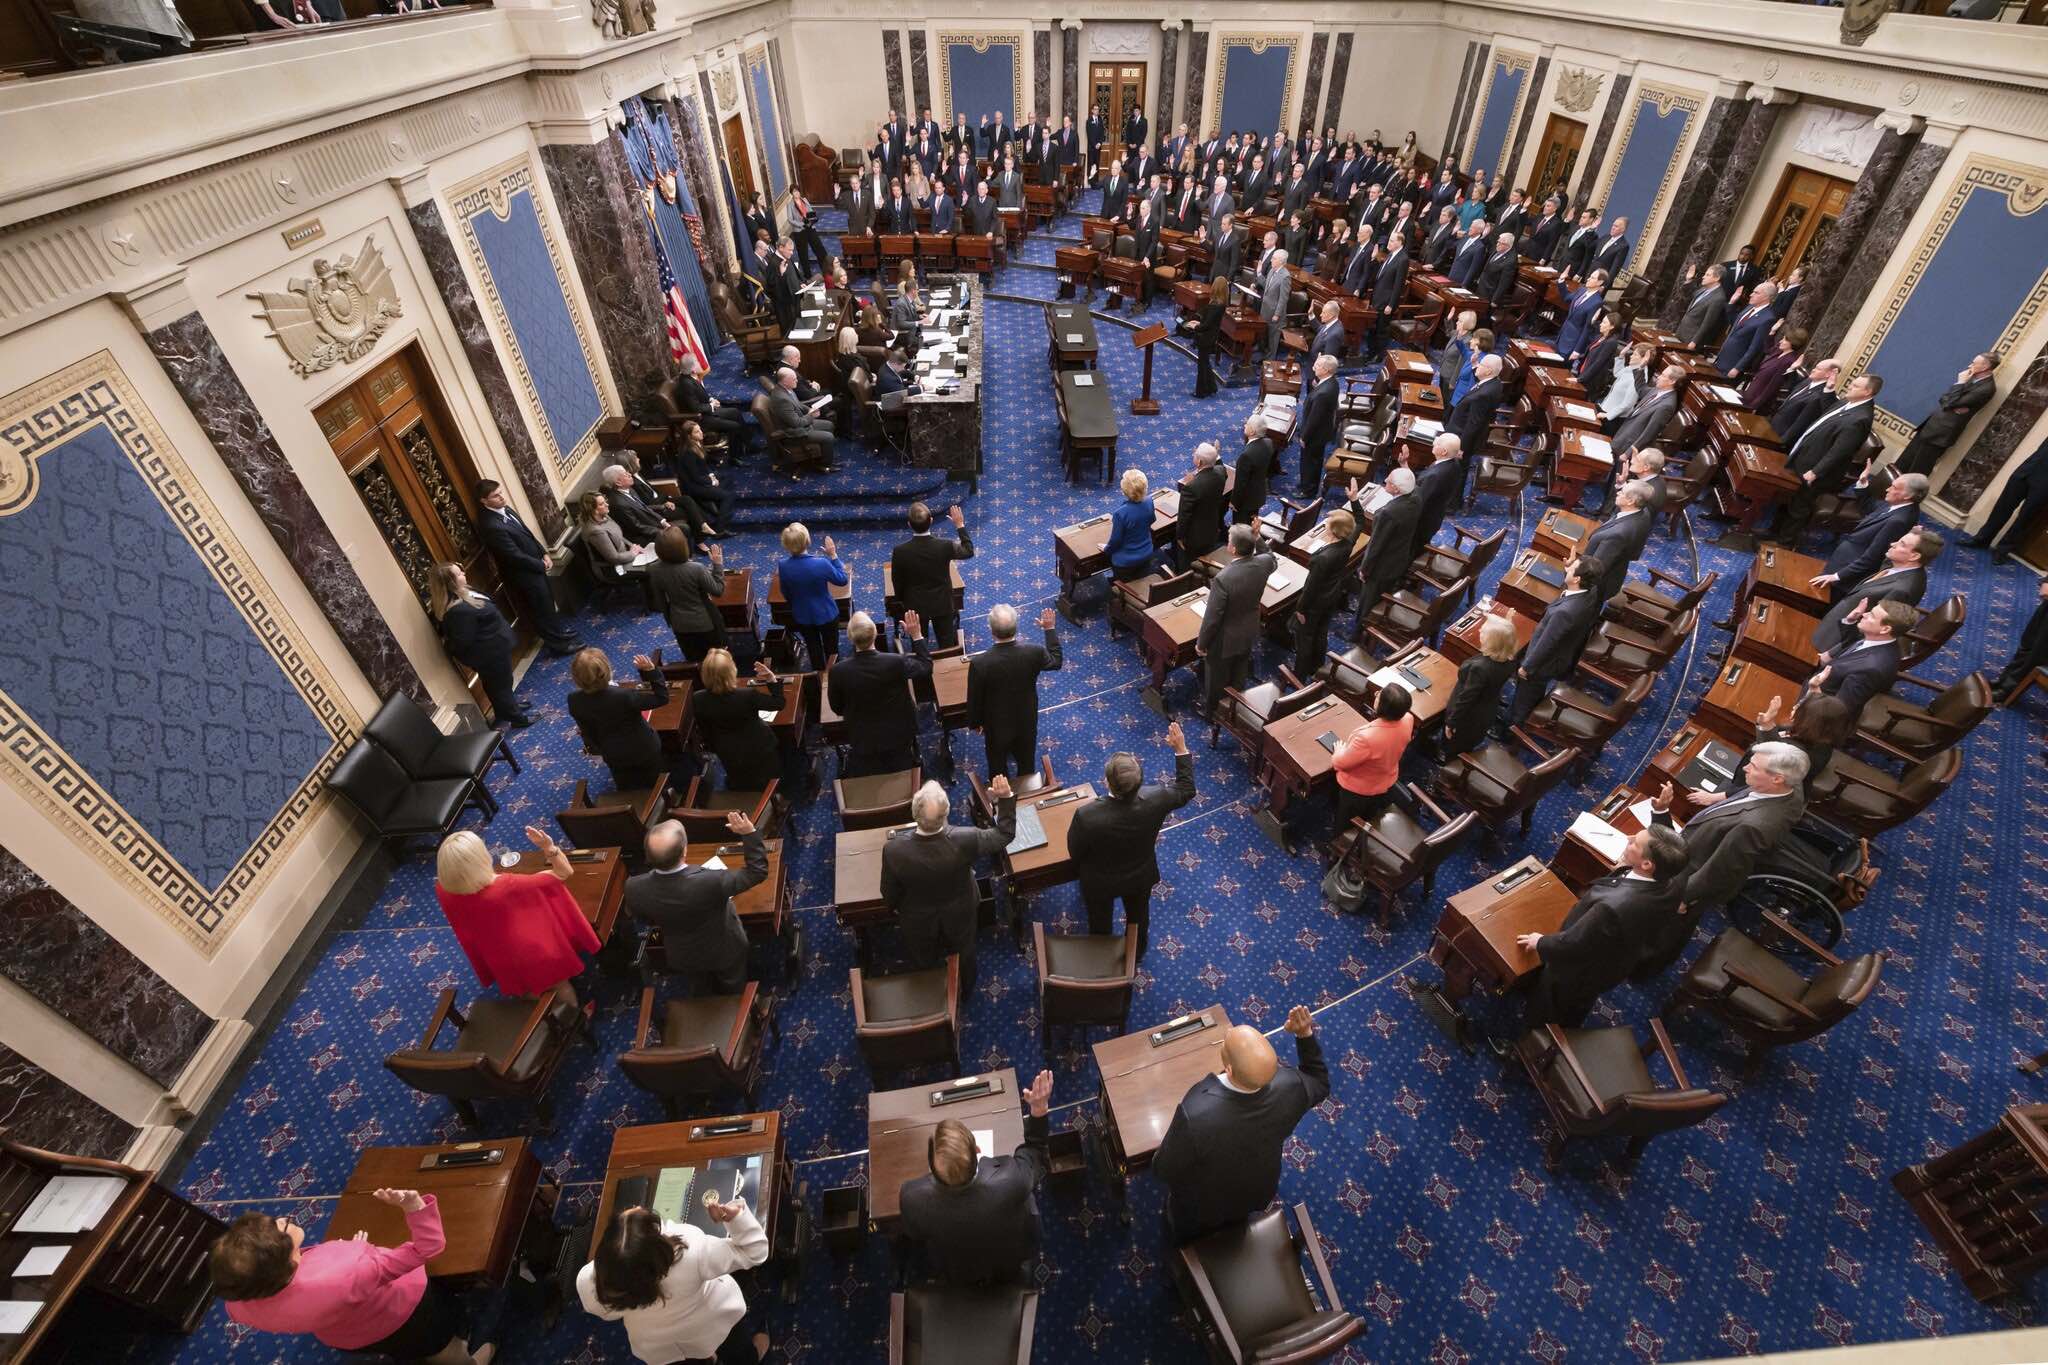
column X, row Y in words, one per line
column 398, row 449
column 735, row 135
column 1118, row 90
column 1802, row 214
column 1558, row 157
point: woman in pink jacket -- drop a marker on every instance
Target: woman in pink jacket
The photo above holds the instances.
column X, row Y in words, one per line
column 350, row 1295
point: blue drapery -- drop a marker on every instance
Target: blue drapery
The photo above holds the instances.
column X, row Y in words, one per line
column 676, row 228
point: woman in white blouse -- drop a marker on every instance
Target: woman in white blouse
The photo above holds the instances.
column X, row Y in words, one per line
column 672, row 1285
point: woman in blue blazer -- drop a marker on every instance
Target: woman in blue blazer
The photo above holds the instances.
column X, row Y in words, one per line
column 807, row 581
column 1130, row 529
column 1578, row 319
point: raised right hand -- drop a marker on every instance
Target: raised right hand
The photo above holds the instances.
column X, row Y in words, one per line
column 1176, row 740
column 1663, row 801
column 738, row 823
column 1000, row 788
column 831, row 548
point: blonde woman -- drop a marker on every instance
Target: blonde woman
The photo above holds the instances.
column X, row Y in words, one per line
column 613, row 720
column 477, row 636
column 1329, row 574
column 1130, row 529
column 521, row 931
column 1475, row 700
column 729, row 718
column 807, row 581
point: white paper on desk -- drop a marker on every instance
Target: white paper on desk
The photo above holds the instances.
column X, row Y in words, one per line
column 644, row 558
column 1379, row 499
column 17, row 1314
column 713, row 864
column 769, row 712
column 1643, row 811
column 1549, row 355
column 1606, row 840
column 1282, row 577
column 1581, row 411
column 39, row 1262
column 1426, row 427
column 985, row 1141
column 1199, row 606
column 1083, row 381
column 70, row 1204
column 1596, row 449
column 804, row 334
column 1074, row 338
column 1387, row 675
column 1725, row 394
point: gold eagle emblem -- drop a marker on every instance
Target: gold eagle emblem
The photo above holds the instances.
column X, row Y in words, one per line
column 336, row 316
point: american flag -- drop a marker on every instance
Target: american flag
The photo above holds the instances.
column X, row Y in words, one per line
column 682, row 333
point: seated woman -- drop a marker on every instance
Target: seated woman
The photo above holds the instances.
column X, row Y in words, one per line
column 729, row 717
column 872, row 328
column 607, row 544
column 521, row 931
column 352, row 1295
column 611, row 719
column 1131, row 550
column 846, row 357
column 672, row 1285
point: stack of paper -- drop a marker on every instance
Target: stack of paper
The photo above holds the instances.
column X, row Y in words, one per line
column 70, row 1204
column 1283, row 577
column 1084, row 380
column 803, row 334
column 1426, row 428
column 1607, row 841
column 644, row 558
column 1597, row 448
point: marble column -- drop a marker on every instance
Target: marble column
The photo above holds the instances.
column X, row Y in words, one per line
column 1340, row 72
column 41, row 1111
column 1073, row 99
column 1592, row 163
column 921, row 75
column 1169, row 54
column 1845, row 240
column 1477, row 68
column 57, row 954
column 1312, row 91
column 187, row 349
column 2000, row 439
column 892, row 67
column 1887, row 229
column 1697, row 239
column 485, row 363
column 607, row 231
column 1718, row 130
column 1198, row 64
column 1536, row 77
column 1041, row 72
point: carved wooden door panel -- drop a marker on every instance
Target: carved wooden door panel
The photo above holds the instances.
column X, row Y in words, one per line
column 735, row 135
column 1801, row 215
column 1559, row 157
column 1118, row 90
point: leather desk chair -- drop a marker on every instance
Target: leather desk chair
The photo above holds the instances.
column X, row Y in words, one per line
column 1596, row 1082
column 1868, row 800
column 1912, row 733
column 940, row 1324
column 1683, row 490
column 1293, row 521
column 1348, row 673
column 1246, row 714
column 758, row 335
column 1502, row 475
column 786, row 448
column 875, row 801
column 983, row 806
column 708, row 1047
column 405, row 732
column 1128, row 600
column 1616, row 651
column 1438, row 566
column 612, row 820
column 1646, row 609
column 504, row 1049
column 1500, row 786
column 1084, row 980
column 1248, row 1292
column 1759, row 997
column 703, row 810
column 1932, row 631
column 908, row 1019
column 1403, row 618
column 399, row 808
column 1577, row 716
column 1395, row 850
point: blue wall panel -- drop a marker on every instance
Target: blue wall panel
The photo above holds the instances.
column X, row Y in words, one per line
column 1644, row 164
column 770, row 124
column 1988, row 264
column 126, row 650
column 517, row 256
column 1254, row 87
column 983, row 82
column 1503, row 90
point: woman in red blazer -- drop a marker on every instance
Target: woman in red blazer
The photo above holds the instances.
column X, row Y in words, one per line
column 522, row 932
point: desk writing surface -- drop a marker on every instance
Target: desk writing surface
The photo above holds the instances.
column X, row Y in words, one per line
column 736, row 600
column 857, row 869
column 1777, row 636
column 1298, row 736
column 1281, row 588
column 842, row 593
column 1523, row 590
column 1143, row 1085
column 1784, row 575
column 900, row 1123
column 1050, row 858
column 483, row 1208
column 1561, row 533
column 1177, row 619
column 1428, row 704
column 1073, row 330
column 597, row 883
column 949, row 687
column 829, row 718
column 759, row 902
column 1485, row 922
column 1090, row 411
column 672, row 718
column 645, row 1148
column 1739, row 693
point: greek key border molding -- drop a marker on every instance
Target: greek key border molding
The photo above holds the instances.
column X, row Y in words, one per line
column 1258, row 43
column 982, row 42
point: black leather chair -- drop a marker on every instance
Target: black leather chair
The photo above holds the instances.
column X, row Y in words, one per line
column 708, row 1046
column 1596, row 1081
column 1249, row 1294
column 409, row 735
column 1084, row 980
column 940, row 1324
column 1758, row 995
column 504, row 1049
column 398, row 807
column 909, row 1019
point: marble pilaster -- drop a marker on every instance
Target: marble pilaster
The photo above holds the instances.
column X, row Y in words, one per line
column 1887, row 229
column 1696, row 240
column 892, row 67
column 485, row 363
column 1073, row 99
column 1169, row 53
column 1824, row 273
column 1477, row 55
column 1041, row 71
column 39, row 1110
column 1340, row 71
column 781, row 104
column 1312, row 91
column 607, row 232
column 1593, row 162
column 190, row 354
column 58, row 955
column 1198, row 62
column 1536, row 78
column 1995, row 445
column 921, row 75
column 1718, row 130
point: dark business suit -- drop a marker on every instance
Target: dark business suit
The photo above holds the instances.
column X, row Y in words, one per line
column 1318, row 431
column 1861, row 671
column 1958, row 403
column 1554, row 649
column 1825, row 450
column 1722, row 845
column 611, row 722
column 1643, row 423
column 478, row 636
column 1002, row 700
column 1471, row 418
column 985, row 1231
column 2025, row 492
column 1599, row 944
column 701, row 934
column 1474, row 703
column 1220, row 1158
column 1860, row 553
column 1321, row 595
column 921, row 568
column 1541, row 242
column 928, row 879
column 1466, row 260
column 1886, row 585
column 1612, row 256
column 522, row 559
column 871, row 692
column 1618, row 543
column 1388, row 553
column 1114, row 844
column 1437, row 490
column 1230, row 626
column 1703, row 316
column 1388, row 290
column 1497, row 277
column 1801, row 408
column 1254, row 476
column 1574, row 255
column 1747, row 336
column 1199, row 527
column 2031, row 654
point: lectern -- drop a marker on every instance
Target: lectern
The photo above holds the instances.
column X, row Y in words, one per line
column 1145, row 405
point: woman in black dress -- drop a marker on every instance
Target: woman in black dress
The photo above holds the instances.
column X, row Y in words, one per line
column 1208, row 330
column 477, row 636
column 729, row 718
column 1475, row 701
column 611, row 722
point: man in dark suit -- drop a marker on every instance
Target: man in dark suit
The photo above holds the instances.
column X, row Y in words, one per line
column 2031, row 654
column 1257, row 181
column 1739, row 275
column 640, row 522
column 1199, row 527
column 1639, row 427
column 1748, row 334
column 1329, row 337
column 1220, row 1158
column 1574, row 255
column 1554, row 649
column 1228, row 256
column 921, row 571
column 1613, row 252
column 1114, row 842
column 714, row 417
column 1814, row 396
column 1497, row 276
column 1603, row 935
column 1903, row 578
column 1443, row 241
column 701, row 934
column 1618, row 542
column 1540, row 243
column 1854, row 673
column 1706, row 312
column 1389, row 287
column 1958, row 403
column 524, row 562
column 1361, row 270
column 1219, row 206
column 871, row 691
column 1724, row 842
column 1469, row 255
column 928, row 876
column 1471, row 418
column 1391, row 548
column 1861, row 552
column 1824, row 454
column 975, row 1217
column 1135, row 129
column 1098, row 132
column 1437, row 488
column 1230, row 620
column 1295, row 198
column 1322, row 593
column 1002, row 690
column 1254, row 473
column 1185, row 209
column 2025, row 492
column 1116, row 194
column 1138, row 168
column 983, row 216
column 1318, row 425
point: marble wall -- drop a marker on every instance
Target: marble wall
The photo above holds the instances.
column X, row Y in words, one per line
column 920, row 76
column 607, row 232
column 1922, row 166
column 1719, row 127
column 1073, row 99
column 1162, row 119
column 1198, row 64
column 1340, row 72
column 1312, row 87
column 38, row 1109
column 1476, row 59
column 58, row 955
column 1041, row 72
column 1824, row 273
column 2000, row 439
column 892, row 71
column 1697, row 235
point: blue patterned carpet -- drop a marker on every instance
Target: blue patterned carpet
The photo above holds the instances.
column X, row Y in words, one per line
column 1770, row 1228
